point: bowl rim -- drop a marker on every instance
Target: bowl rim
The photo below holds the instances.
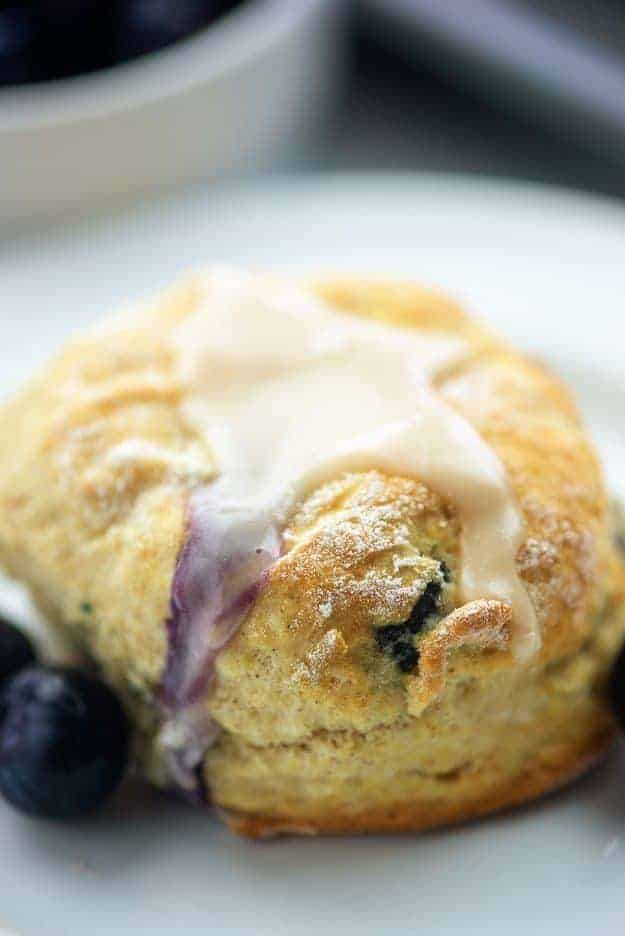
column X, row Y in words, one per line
column 249, row 30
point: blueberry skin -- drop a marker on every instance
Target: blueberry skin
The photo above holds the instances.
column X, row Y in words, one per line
column 396, row 639
column 616, row 688
column 48, row 39
column 16, row 650
column 63, row 742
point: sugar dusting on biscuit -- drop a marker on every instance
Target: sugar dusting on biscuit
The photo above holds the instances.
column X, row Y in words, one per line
column 289, row 394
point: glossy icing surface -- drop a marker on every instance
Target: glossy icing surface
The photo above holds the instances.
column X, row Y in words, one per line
column 286, row 394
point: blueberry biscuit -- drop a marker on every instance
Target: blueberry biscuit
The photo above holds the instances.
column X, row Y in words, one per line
column 345, row 555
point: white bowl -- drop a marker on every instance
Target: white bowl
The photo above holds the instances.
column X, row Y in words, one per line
column 243, row 94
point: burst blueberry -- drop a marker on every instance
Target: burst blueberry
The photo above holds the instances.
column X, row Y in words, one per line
column 63, row 742
column 396, row 639
column 50, row 39
column 424, row 608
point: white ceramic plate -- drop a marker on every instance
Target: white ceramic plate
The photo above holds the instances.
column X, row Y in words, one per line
column 547, row 268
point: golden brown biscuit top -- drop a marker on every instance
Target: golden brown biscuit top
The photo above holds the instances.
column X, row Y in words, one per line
column 88, row 519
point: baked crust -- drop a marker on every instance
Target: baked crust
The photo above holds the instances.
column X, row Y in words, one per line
column 321, row 731
column 537, row 780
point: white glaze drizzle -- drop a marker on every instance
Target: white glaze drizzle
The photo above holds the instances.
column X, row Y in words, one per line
column 289, row 393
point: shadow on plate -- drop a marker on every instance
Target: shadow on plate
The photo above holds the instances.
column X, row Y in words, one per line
column 141, row 822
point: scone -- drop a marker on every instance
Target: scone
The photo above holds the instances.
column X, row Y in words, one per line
column 345, row 555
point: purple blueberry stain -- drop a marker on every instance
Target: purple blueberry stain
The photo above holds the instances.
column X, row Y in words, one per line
column 218, row 577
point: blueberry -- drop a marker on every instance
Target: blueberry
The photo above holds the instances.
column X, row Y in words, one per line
column 47, row 39
column 148, row 25
column 396, row 639
column 616, row 688
column 63, row 742
column 16, row 650
column 405, row 655
column 424, row 608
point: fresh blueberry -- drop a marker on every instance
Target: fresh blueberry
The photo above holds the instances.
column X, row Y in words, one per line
column 47, row 39
column 16, row 650
column 149, row 25
column 63, row 742
column 616, row 688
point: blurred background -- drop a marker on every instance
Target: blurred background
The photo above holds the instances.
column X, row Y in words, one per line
column 101, row 100
column 533, row 89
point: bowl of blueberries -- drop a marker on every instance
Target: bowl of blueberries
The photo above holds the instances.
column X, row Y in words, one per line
column 99, row 100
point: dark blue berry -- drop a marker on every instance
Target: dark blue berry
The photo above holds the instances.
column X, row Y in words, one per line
column 405, row 655
column 63, row 742
column 424, row 608
column 16, row 650
column 48, row 39
column 396, row 639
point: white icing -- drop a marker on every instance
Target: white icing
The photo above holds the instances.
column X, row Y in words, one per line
column 289, row 393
